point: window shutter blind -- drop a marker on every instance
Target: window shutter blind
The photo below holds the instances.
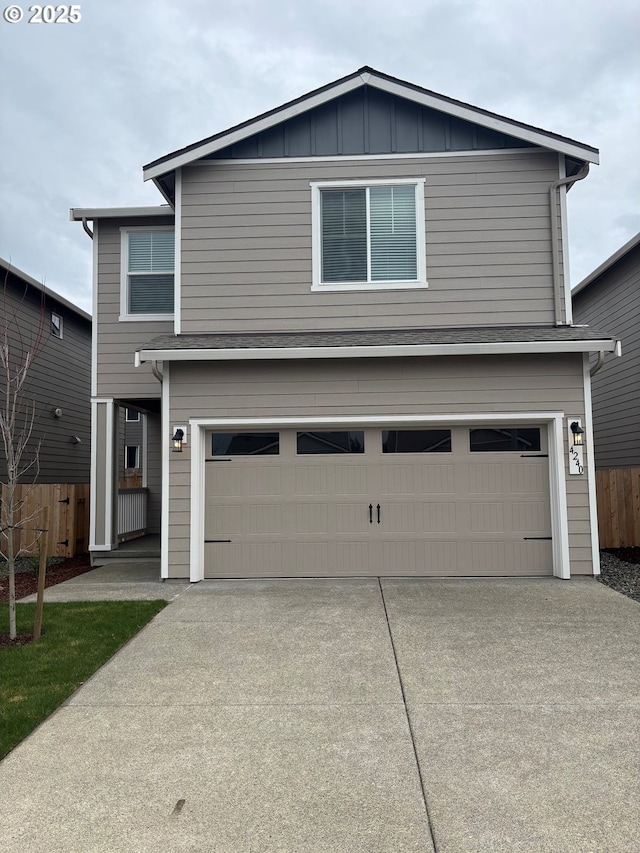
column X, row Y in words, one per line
column 344, row 235
column 392, row 212
column 151, row 294
column 151, row 264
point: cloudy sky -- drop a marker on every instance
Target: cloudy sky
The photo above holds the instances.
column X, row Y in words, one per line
column 85, row 105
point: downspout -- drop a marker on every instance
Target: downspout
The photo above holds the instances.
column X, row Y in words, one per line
column 555, row 251
column 601, row 356
column 86, row 227
column 156, row 372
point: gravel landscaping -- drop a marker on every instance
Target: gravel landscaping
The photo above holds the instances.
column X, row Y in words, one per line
column 620, row 570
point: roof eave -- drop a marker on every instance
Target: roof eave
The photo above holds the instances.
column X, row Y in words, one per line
column 370, row 77
column 385, row 351
column 77, row 214
column 606, row 265
column 47, row 291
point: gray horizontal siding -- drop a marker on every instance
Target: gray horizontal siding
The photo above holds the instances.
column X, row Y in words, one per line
column 246, row 246
column 118, row 341
column 612, row 303
column 59, row 378
column 387, row 387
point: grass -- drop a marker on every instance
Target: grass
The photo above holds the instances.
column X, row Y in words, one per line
column 77, row 638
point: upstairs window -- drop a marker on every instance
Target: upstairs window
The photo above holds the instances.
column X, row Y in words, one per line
column 369, row 237
column 56, row 325
column 147, row 273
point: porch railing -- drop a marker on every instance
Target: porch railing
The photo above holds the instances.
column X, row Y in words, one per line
column 132, row 511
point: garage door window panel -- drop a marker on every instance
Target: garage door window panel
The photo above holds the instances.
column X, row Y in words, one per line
column 329, row 442
column 416, row 441
column 504, row 439
column 245, row 444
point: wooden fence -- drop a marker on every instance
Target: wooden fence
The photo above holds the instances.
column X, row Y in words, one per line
column 618, row 493
column 69, row 524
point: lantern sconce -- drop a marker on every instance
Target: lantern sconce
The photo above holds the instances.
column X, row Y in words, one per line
column 577, row 434
column 178, row 438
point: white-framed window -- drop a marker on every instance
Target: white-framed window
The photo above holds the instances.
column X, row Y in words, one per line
column 147, row 281
column 132, row 416
column 56, row 325
column 368, row 235
column 132, row 456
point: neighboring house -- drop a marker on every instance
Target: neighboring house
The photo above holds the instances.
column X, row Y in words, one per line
column 355, row 310
column 609, row 298
column 59, row 380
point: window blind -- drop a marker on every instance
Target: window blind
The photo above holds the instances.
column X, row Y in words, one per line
column 151, row 279
column 344, row 235
column 392, row 214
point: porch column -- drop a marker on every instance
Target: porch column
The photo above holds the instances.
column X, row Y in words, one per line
column 104, row 476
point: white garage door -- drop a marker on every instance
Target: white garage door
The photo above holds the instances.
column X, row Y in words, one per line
column 463, row 501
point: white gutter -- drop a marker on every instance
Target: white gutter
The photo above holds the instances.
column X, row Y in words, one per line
column 264, row 353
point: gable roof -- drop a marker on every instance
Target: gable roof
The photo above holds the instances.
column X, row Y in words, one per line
column 41, row 288
column 369, row 77
column 617, row 256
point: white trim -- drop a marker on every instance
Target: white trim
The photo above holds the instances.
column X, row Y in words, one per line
column 254, row 127
column 566, row 271
column 391, row 351
column 177, row 256
column 164, row 438
column 145, row 451
column 77, row 214
column 431, row 100
column 125, row 316
column 138, row 454
column 347, row 158
column 557, row 482
column 108, row 483
column 94, row 322
column 109, row 478
column 93, row 476
column 129, row 420
column 558, row 493
column 493, row 122
column 196, row 551
column 590, row 465
column 316, row 231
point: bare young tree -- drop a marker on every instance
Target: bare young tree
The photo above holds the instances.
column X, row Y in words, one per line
column 19, row 348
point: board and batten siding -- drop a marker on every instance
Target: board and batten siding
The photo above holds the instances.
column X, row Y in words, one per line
column 246, row 245
column 118, row 341
column 612, row 303
column 369, row 386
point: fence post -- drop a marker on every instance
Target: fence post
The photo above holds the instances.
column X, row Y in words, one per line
column 44, row 541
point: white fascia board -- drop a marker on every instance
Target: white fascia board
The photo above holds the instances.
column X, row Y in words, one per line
column 77, row 214
column 380, row 420
column 255, row 127
column 266, row 353
column 501, row 125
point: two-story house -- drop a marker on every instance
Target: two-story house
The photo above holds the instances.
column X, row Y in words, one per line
column 355, row 313
column 55, row 401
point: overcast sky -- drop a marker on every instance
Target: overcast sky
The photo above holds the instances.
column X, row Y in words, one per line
column 85, row 105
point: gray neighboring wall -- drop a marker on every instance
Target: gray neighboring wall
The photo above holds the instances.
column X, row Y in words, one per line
column 609, row 299
column 60, row 377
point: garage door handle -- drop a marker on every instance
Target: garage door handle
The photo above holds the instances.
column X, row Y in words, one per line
column 378, row 508
column 370, row 513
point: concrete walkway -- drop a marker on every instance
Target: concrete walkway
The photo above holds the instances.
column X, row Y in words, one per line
column 325, row 716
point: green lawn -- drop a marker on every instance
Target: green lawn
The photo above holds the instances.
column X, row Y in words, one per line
column 77, row 638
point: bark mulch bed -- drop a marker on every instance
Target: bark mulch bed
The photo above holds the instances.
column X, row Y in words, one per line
column 27, row 579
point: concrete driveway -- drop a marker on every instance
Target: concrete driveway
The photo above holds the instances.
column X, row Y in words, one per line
column 348, row 715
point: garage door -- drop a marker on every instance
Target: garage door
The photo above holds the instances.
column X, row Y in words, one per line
column 464, row 501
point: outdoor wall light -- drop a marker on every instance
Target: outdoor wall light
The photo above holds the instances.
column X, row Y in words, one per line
column 178, row 438
column 578, row 433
